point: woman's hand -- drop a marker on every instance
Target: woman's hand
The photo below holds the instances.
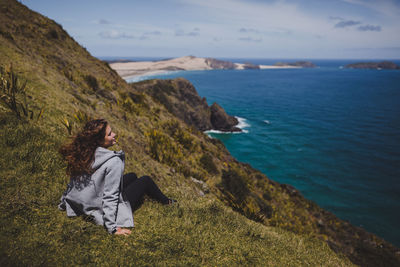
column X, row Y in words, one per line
column 122, row 231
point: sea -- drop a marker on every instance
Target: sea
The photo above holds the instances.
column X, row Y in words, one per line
column 331, row 132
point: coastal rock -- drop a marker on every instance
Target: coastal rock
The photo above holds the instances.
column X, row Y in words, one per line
column 222, row 121
column 386, row 65
column 181, row 99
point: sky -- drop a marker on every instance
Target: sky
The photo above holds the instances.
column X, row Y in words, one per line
column 325, row 29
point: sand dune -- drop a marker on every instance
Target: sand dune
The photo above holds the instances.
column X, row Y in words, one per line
column 129, row 70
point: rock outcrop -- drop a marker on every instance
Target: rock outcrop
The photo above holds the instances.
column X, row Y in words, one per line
column 222, row 121
column 181, row 99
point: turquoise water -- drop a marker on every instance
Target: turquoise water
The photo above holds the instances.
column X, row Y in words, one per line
column 333, row 133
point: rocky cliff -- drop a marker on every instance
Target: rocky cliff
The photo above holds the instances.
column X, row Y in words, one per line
column 181, row 99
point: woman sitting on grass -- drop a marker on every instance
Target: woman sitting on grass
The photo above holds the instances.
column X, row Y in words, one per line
column 97, row 186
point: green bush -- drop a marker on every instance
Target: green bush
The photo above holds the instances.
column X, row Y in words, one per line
column 174, row 129
column 163, row 149
column 91, row 81
column 138, row 98
column 208, row 164
column 13, row 95
column 127, row 104
column 233, row 182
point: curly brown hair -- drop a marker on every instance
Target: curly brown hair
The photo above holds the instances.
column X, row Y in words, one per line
column 79, row 154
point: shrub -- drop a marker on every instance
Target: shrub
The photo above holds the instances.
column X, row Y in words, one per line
column 163, row 149
column 233, row 182
column 92, row 82
column 13, row 95
column 67, row 125
column 138, row 98
column 183, row 137
column 127, row 103
column 208, row 164
column 52, row 34
column 81, row 117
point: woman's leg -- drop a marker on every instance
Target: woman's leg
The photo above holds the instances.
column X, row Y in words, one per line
column 144, row 185
column 128, row 179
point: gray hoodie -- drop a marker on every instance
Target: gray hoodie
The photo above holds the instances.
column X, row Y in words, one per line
column 100, row 195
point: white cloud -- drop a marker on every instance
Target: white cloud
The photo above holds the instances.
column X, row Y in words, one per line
column 194, row 32
column 277, row 20
column 248, row 30
column 250, row 39
column 114, row 34
column 372, row 28
column 346, row 23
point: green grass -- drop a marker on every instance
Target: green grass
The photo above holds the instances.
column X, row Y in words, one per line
column 197, row 231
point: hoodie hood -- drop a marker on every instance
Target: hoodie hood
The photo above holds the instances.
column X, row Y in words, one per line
column 101, row 155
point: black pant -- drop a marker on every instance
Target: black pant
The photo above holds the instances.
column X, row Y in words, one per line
column 135, row 189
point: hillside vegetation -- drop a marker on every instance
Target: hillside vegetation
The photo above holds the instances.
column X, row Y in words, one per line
column 228, row 212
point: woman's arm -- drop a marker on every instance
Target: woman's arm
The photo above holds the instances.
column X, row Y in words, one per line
column 114, row 171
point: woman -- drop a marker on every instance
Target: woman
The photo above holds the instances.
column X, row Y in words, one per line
column 97, row 185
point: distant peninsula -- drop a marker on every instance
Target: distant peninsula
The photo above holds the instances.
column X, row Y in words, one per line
column 386, row 65
column 129, row 70
column 302, row 64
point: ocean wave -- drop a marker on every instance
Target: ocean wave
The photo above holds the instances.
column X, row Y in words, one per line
column 267, row 121
column 242, row 123
column 221, row 132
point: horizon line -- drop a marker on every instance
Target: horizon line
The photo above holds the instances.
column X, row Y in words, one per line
column 280, row 58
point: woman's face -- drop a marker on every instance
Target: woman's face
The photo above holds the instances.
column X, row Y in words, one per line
column 109, row 139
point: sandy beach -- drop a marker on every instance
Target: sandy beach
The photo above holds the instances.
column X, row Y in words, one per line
column 279, row 67
column 130, row 70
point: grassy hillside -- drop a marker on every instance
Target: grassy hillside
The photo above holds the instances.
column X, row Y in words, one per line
column 233, row 214
column 199, row 231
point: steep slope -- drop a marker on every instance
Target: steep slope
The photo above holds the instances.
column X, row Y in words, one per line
column 72, row 85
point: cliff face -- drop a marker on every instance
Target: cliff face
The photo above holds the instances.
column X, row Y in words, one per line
column 73, row 86
column 181, row 99
column 222, row 121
